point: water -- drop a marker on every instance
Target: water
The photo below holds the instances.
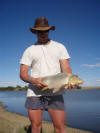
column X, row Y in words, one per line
column 82, row 107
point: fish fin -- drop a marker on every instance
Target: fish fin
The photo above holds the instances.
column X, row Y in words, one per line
column 54, row 90
column 64, row 86
column 44, row 88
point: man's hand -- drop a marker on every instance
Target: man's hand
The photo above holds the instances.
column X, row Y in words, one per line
column 25, row 77
column 72, row 86
column 69, row 87
column 38, row 82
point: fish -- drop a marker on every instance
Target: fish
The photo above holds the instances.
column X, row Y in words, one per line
column 60, row 81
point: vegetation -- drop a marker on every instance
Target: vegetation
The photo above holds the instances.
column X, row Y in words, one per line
column 19, row 88
column 11, row 88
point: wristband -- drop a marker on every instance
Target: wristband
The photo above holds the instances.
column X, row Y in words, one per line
column 29, row 79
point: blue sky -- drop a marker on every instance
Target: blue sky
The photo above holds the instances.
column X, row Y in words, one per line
column 77, row 27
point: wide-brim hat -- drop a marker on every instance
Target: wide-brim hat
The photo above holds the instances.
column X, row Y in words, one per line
column 41, row 24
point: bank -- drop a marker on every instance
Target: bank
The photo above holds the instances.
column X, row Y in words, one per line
column 16, row 123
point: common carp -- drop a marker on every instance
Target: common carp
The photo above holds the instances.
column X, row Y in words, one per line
column 60, row 81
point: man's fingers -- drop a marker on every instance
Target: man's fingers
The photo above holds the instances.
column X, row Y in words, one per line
column 38, row 85
column 44, row 85
column 41, row 85
column 70, row 86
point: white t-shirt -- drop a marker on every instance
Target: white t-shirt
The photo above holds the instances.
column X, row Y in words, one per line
column 43, row 60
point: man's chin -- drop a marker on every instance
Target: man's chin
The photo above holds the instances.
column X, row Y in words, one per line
column 44, row 40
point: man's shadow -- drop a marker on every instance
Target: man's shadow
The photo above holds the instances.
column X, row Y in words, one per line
column 28, row 129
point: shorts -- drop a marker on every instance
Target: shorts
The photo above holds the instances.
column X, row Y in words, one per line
column 45, row 102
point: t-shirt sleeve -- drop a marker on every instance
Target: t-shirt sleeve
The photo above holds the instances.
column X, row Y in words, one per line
column 63, row 53
column 26, row 58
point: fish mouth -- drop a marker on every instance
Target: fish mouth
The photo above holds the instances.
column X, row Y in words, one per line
column 76, row 81
column 81, row 82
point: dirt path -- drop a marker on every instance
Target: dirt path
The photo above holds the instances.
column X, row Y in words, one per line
column 15, row 123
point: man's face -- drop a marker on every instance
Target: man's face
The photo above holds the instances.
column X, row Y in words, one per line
column 42, row 36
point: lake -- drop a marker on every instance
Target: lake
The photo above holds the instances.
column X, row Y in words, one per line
column 82, row 107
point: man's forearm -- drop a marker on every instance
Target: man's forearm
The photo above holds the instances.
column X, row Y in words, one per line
column 68, row 70
column 65, row 66
column 25, row 77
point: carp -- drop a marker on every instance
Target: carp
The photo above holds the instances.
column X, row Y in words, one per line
column 60, row 81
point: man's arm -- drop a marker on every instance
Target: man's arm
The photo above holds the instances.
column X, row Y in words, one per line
column 24, row 69
column 65, row 66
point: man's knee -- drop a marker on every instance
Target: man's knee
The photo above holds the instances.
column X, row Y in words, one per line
column 36, row 125
column 59, row 128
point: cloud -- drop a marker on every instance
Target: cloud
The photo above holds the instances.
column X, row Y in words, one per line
column 98, row 80
column 91, row 66
column 91, row 82
column 97, row 58
column 9, row 83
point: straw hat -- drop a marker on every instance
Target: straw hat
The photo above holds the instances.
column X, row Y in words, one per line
column 41, row 24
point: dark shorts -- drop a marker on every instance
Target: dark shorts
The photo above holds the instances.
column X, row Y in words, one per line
column 45, row 103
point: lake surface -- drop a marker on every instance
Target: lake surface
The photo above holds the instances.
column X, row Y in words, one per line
column 82, row 107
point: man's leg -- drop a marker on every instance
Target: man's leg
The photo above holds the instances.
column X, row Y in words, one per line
column 35, row 117
column 58, row 118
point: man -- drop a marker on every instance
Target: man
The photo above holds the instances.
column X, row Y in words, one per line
column 45, row 57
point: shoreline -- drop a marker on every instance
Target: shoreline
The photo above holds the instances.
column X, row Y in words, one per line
column 17, row 123
column 10, row 88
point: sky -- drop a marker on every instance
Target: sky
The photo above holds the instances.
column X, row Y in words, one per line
column 77, row 25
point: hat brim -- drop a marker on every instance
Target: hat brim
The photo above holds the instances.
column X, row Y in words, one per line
column 33, row 30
